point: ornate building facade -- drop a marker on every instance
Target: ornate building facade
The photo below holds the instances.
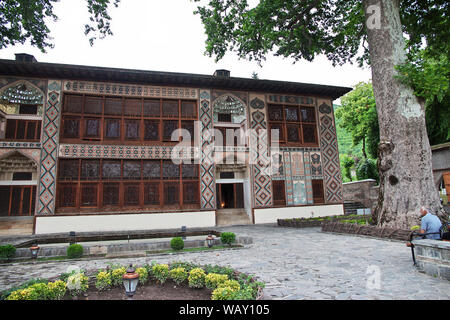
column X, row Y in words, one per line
column 91, row 149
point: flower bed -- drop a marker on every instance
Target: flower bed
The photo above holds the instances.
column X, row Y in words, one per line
column 317, row 222
column 193, row 281
column 366, row 230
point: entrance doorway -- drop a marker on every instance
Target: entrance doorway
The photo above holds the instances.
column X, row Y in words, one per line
column 230, row 196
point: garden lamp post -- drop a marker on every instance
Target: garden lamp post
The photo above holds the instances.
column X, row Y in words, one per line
column 34, row 251
column 130, row 281
column 209, row 240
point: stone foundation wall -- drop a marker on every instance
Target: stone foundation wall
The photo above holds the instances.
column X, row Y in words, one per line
column 364, row 191
column 433, row 257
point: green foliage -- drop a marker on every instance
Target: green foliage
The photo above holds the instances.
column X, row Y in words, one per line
column 213, row 280
column 143, row 275
column 367, row 169
column 104, row 280
column 429, row 75
column 219, row 270
column 29, row 283
column 77, row 283
column 27, row 20
column 303, row 30
column 177, row 243
column 222, row 293
column 196, row 278
column 347, row 164
column 188, row 266
column 227, row 238
column 358, row 116
column 56, row 290
column 75, row 251
column 233, row 284
column 117, row 274
column 178, row 275
column 161, row 272
column 7, row 251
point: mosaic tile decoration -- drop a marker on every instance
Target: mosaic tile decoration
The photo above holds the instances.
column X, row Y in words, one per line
column 117, row 89
column 20, row 144
column 330, row 155
column 308, row 183
column 126, row 152
column 262, row 182
column 207, row 167
column 10, row 81
column 298, row 169
column 300, row 193
column 278, row 98
column 33, row 154
column 289, row 185
column 316, row 165
column 49, row 151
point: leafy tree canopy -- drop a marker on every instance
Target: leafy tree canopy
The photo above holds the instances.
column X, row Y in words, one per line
column 358, row 115
column 22, row 20
column 304, row 29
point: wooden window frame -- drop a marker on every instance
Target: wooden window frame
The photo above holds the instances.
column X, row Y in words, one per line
column 36, row 134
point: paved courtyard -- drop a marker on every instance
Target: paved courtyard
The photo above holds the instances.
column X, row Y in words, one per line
column 294, row 264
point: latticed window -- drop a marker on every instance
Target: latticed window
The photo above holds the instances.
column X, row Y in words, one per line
column 67, row 195
column 171, row 170
column 68, row 169
column 296, row 125
column 89, row 195
column 278, row 190
column 171, row 193
column 111, row 170
column 132, row 170
column 151, row 169
column 93, row 105
column 190, row 192
column 112, row 128
column 90, row 169
column 318, row 194
column 133, row 107
column 111, row 194
column 151, row 194
column 113, row 107
column 71, row 127
column 170, row 109
column 169, row 127
column 152, row 108
column 23, row 129
column 131, row 194
column 132, row 129
column 151, row 130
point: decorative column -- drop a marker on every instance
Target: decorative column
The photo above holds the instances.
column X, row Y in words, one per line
column 49, row 150
column 330, row 153
column 207, row 167
column 259, row 152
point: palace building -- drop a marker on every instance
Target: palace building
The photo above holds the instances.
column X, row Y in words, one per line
column 100, row 149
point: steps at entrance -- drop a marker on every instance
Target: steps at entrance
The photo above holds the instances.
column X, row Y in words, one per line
column 232, row 217
column 16, row 226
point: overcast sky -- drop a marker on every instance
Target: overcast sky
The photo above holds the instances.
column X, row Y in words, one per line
column 165, row 35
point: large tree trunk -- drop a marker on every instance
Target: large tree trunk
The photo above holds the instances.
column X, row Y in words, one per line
column 404, row 159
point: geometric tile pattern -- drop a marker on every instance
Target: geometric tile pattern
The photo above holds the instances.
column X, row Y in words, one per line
column 277, row 98
column 260, row 157
column 289, row 185
column 49, row 151
column 316, row 164
column 18, row 144
column 126, row 152
column 117, row 89
column 207, row 167
column 308, row 184
column 330, row 155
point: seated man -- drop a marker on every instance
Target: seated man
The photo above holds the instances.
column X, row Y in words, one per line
column 430, row 224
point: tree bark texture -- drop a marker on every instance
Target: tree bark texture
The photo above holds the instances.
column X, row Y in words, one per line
column 404, row 154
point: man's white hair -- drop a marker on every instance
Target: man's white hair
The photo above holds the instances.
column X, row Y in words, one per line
column 426, row 209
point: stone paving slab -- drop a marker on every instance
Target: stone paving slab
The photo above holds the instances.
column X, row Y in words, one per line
column 294, row 263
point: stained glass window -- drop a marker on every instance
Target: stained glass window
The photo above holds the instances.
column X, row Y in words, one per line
column 111, row 170
column 71, row 127
column 73, row 104
column 112, row 128
column 171, row 193
column 133, row 107
column 308, row 114
column 110, row 194
column 151, row 130
column 131, row 194
column 113, row 107
column 151, row 193
column 67, row 195
column 89, row 195
column 291, row 114
column 169, row 127
column 93, row 105
column 90, row 169
column 279, row 194
column 151, row 169
column 188, row 109
column 68, row 170
column 275, row 113
column 132, row 170
column 152, row 108
column 92, row 128
column 132, row 129
column 309, row 133
column 189, row 171
column 190, row 192
column 170, row 109
column 171, row 170
column 292, row 133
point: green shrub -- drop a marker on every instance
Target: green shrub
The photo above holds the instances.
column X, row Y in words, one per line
column 227, row 238
column 233, row 284
column 7, row 251
column 104, row 280
column 143, row 275
column 56, row 290
column 39, row 292
column 367, row 169
column 188, row 266
column 117, row 276
column 178, row 275
column 25, row 285
column 74, row 251
column 196, row 278
column 177, row 243
column 161, row 272
column 213, row 280
column 222, row 293
column 77, row 283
